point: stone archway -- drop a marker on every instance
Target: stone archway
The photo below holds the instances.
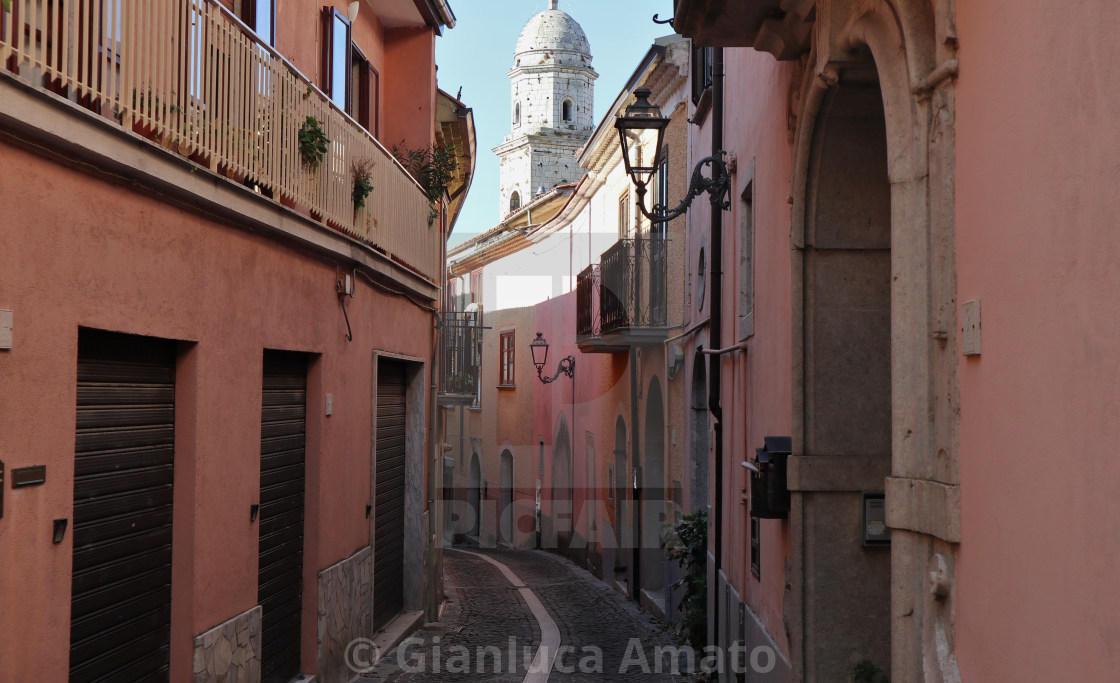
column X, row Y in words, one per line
column 653, row 489
column 474, row 495
column 698, row 427
column 505, row 498
column 621, row 481
column 562, row 512
column 905, row 54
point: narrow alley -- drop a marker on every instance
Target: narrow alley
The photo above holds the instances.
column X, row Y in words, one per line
column 501, row 601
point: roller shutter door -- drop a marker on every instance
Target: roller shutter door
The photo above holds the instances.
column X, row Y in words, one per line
column 120, row 621
column 388, row 547
column 280, row 568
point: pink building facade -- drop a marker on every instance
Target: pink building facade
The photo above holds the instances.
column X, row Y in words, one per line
column 905, row 207
column 216, row 446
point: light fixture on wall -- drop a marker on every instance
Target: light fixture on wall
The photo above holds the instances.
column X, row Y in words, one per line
column 539, row 348
column 642, row 119
column 352, row 11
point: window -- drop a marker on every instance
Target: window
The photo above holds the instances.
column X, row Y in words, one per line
column 702, row 71
column 505, row 360
column 476, row 287
column 260, row 15
column 514, row 202
column 517, row 114
column 364, row 82
column 661, row 189
column 336, row 57
column 624, row 215
column 756, row 548
column 566, row 109
column 745, row 302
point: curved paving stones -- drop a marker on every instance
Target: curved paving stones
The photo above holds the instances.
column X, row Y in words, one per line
column 485, row 610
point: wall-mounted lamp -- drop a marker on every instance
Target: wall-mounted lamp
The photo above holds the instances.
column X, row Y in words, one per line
column 643, row 119
column 352, row 11
column 344, row 284
column 539, row 348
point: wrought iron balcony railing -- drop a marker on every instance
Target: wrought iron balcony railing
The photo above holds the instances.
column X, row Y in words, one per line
column 188, row 75
column 632, row 290
column 587, row 302
column 461, row 356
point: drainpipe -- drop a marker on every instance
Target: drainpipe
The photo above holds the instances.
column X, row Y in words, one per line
column 636, row 492
column 714, row 332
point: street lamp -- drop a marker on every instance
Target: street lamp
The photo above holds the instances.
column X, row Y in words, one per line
column 539, row 348
column 643, row 120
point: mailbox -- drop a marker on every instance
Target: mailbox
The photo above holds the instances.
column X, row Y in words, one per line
column 769, row 491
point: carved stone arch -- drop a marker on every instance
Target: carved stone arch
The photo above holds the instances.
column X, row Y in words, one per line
column 910, row 50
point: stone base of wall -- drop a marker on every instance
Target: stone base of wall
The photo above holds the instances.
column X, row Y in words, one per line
column 230, row 652
column 345, row 612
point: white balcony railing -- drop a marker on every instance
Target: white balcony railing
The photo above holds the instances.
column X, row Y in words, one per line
column 190, row 76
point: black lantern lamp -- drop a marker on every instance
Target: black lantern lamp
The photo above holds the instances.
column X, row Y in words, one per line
column 642, row 120
column 539, row 348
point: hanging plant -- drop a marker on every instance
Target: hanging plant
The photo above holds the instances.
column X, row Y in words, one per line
column 433, row 168
column 362, row 170
column 312, row 143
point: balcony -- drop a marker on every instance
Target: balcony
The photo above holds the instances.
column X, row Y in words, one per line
column 187, row 75
column 621, row 302
column 780, row 27
column 460, row 357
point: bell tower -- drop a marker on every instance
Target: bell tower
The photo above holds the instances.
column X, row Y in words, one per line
column 552, row 88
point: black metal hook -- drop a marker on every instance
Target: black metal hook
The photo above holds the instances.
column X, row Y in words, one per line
column 668, row 21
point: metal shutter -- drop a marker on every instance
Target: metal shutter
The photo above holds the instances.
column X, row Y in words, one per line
column 388, row 549
column 280, row 570
column 120, row 617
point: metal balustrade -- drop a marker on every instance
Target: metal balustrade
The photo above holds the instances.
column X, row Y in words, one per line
column 461, row 356
column 190, row 76
column 587, row 302
column 632, row 293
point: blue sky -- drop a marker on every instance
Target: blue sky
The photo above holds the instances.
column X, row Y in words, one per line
column 478, row 52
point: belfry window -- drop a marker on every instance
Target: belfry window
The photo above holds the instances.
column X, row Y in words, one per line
column 517, row 113
column 515, row 202
column 566, row 113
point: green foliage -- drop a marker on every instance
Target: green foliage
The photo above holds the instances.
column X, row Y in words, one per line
column 433, row 168
column 461, row 383
column 363, row 185
column 687, row 543
column 312, row 143
column 867, row 672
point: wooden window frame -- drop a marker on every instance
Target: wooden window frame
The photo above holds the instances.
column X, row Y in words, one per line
column 624, row 215
column 330, row 14
column 507, row 357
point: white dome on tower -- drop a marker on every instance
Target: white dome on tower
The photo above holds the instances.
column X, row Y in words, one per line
column 551, row 30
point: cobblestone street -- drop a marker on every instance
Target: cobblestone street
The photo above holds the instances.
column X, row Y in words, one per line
column 602, row 635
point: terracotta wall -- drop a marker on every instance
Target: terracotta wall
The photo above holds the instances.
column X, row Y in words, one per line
column 86, row 252
column 756, row 384
column 1037, row 246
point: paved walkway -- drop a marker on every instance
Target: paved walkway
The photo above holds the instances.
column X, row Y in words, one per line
column 493, row 623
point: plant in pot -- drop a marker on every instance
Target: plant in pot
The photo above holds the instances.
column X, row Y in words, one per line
column 312, row 143
column 362, row 170
column 433, row 167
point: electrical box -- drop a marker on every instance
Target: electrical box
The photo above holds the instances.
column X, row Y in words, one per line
column 770, row 497
column 875, row 529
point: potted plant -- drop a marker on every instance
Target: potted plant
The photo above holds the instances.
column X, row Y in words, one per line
column 362, row 170
column 312, row 143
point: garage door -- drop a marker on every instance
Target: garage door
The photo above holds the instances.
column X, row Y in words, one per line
column 280, row 568
column 388, row 547
column 120, row 623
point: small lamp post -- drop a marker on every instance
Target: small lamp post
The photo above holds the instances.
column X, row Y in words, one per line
column 539, row 348
column 642, row 120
